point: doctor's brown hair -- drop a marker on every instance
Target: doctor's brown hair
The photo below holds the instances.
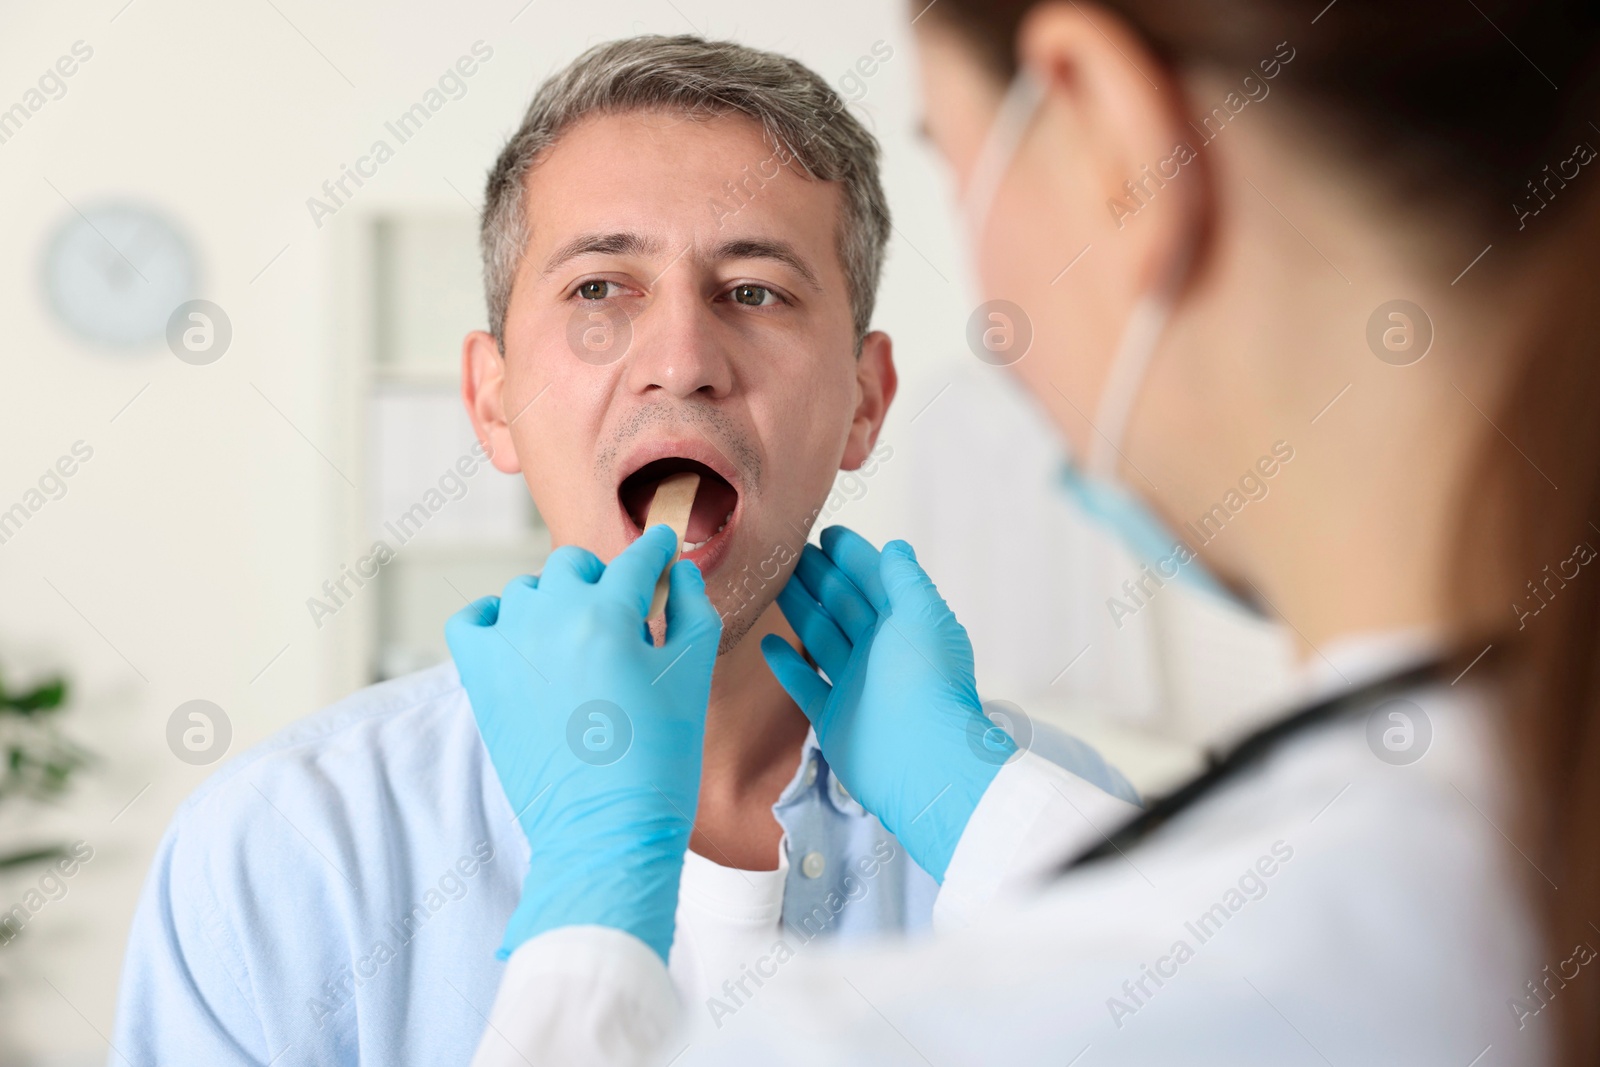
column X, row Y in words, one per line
column 1468, row 129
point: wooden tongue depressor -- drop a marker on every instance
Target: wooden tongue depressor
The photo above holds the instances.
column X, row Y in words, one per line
column 672, row 503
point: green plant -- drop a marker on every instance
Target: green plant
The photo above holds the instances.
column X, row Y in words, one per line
column 39, row 757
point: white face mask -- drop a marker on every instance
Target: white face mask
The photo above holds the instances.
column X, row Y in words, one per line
column 1096, row 486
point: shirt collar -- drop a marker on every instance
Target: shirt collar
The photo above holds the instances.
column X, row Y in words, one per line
column 1352, row 659
column 1337, row 665
column 813, row 768
column 806, row 771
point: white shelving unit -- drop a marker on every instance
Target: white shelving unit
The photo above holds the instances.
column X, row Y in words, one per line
column 412, row 292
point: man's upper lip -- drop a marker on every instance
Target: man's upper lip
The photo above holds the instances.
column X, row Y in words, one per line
column 696, row 448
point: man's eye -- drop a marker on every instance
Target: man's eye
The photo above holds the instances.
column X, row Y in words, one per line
column 754, row 295
column 594, row 290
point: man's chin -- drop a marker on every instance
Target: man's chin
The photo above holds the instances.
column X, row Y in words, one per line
column 736, row 625
column 735, row 628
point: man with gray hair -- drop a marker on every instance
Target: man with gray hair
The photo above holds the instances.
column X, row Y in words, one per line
column 682, row 244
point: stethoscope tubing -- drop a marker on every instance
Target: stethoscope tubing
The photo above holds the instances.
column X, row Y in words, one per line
column 1251, row 751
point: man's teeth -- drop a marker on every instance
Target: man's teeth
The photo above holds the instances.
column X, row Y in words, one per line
column 695, row 546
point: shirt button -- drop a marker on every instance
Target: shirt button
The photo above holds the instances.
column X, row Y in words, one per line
column 838, row 787
column 811, row 772
column 813, row 865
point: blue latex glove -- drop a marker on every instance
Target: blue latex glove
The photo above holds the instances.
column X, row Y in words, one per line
column 901, row 723
column 595, row 734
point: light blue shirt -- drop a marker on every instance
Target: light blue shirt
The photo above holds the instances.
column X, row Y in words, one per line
column 336, row 894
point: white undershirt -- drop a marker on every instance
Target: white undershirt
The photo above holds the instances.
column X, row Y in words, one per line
column 727, row 918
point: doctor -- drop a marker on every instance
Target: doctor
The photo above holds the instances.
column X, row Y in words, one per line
column 1291, row 227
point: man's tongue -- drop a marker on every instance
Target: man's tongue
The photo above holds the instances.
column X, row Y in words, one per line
column 713, row 503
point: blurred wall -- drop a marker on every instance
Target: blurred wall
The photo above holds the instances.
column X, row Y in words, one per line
column 218, row 497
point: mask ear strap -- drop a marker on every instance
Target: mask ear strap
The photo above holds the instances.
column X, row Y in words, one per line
column 1000, row 146
column 1126, row 375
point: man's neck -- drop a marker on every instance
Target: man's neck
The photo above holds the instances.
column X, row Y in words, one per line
column 754, row 733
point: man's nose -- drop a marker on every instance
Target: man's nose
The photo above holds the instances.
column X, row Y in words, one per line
column 679, row 349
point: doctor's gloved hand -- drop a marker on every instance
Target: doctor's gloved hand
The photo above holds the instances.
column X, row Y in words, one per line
column 594, row 733
column 901, row 722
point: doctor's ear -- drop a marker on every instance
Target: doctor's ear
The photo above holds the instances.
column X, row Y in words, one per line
column 1118, row 117
column 876, row 383
column 483, row 382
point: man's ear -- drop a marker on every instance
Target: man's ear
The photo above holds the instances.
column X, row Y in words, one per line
column 876, row 383
column 483, row 377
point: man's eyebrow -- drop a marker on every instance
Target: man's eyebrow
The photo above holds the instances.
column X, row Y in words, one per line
column 761, row 248
column 602, row 244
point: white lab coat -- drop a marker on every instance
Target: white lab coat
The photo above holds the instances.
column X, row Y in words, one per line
column 1325, row 908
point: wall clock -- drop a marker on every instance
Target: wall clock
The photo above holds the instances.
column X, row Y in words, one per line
column 114, row 274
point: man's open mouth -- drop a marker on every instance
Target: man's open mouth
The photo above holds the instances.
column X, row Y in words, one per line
column 711, row 519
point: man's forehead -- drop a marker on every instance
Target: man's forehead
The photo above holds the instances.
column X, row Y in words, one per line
column 640, row 183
